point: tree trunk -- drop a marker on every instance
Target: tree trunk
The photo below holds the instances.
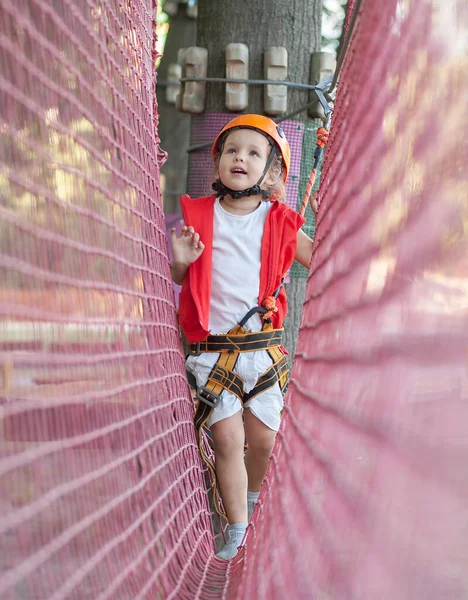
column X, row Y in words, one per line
column 259, row 24
column 174, row 126
column 296, row 25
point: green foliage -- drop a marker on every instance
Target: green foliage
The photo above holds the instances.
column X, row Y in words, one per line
column 333, row 14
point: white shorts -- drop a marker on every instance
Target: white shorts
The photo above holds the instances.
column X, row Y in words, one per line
column 267, row 406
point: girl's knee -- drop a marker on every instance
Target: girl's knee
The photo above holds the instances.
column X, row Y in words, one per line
column 228, row 438
column 262, row 446
column 228, row 445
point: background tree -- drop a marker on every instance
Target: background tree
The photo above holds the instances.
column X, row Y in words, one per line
column 174, row 126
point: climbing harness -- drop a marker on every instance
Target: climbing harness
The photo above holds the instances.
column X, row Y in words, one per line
column 222, row 376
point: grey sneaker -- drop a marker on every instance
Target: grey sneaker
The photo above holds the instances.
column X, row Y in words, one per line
column 234, row 536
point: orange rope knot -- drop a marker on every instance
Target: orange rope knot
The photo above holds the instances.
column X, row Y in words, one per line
column 322, row 136
column 270, row 304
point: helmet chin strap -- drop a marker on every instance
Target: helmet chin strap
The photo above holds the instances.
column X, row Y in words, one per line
column 255, row 190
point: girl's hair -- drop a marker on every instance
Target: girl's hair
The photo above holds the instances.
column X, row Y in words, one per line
column 277, row 189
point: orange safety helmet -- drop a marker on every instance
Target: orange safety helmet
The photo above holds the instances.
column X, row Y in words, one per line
column 263, row 125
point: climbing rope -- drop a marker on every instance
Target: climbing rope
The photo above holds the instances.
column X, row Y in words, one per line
column 322, row 139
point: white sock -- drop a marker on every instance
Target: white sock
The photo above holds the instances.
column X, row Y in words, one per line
column 252, row 498
column 234, row 536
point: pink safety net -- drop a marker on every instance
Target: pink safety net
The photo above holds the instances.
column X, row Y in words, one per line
column 103, row 493
column 102, row 489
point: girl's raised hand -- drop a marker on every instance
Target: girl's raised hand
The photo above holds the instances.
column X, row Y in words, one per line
column 186, row 247
column 313, row 202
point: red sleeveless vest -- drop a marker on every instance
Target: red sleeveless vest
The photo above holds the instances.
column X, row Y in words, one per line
column 277, row 255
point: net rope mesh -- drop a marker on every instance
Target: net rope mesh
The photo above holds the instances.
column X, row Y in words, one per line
column 102, row 489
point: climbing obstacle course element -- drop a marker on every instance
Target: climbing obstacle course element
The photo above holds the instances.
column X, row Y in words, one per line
column 102, row 487
column 368, row 486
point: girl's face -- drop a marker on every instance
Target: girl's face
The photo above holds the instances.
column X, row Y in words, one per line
column 245, row 154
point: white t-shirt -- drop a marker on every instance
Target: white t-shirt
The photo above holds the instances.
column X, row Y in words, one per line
column 237, row 244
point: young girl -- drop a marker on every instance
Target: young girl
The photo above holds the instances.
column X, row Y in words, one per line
column 230, row 258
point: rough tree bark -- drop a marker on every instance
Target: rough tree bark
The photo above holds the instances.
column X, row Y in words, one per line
column 174, row 126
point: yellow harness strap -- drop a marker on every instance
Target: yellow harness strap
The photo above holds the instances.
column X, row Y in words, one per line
column 222, row 377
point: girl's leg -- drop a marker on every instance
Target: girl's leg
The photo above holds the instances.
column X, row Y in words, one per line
column 228, row 440
column 261, row 440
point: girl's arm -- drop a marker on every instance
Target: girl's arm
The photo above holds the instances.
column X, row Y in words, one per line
column 186, row 248
column 304, row 243
column 303, row 249
column 178, row 271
